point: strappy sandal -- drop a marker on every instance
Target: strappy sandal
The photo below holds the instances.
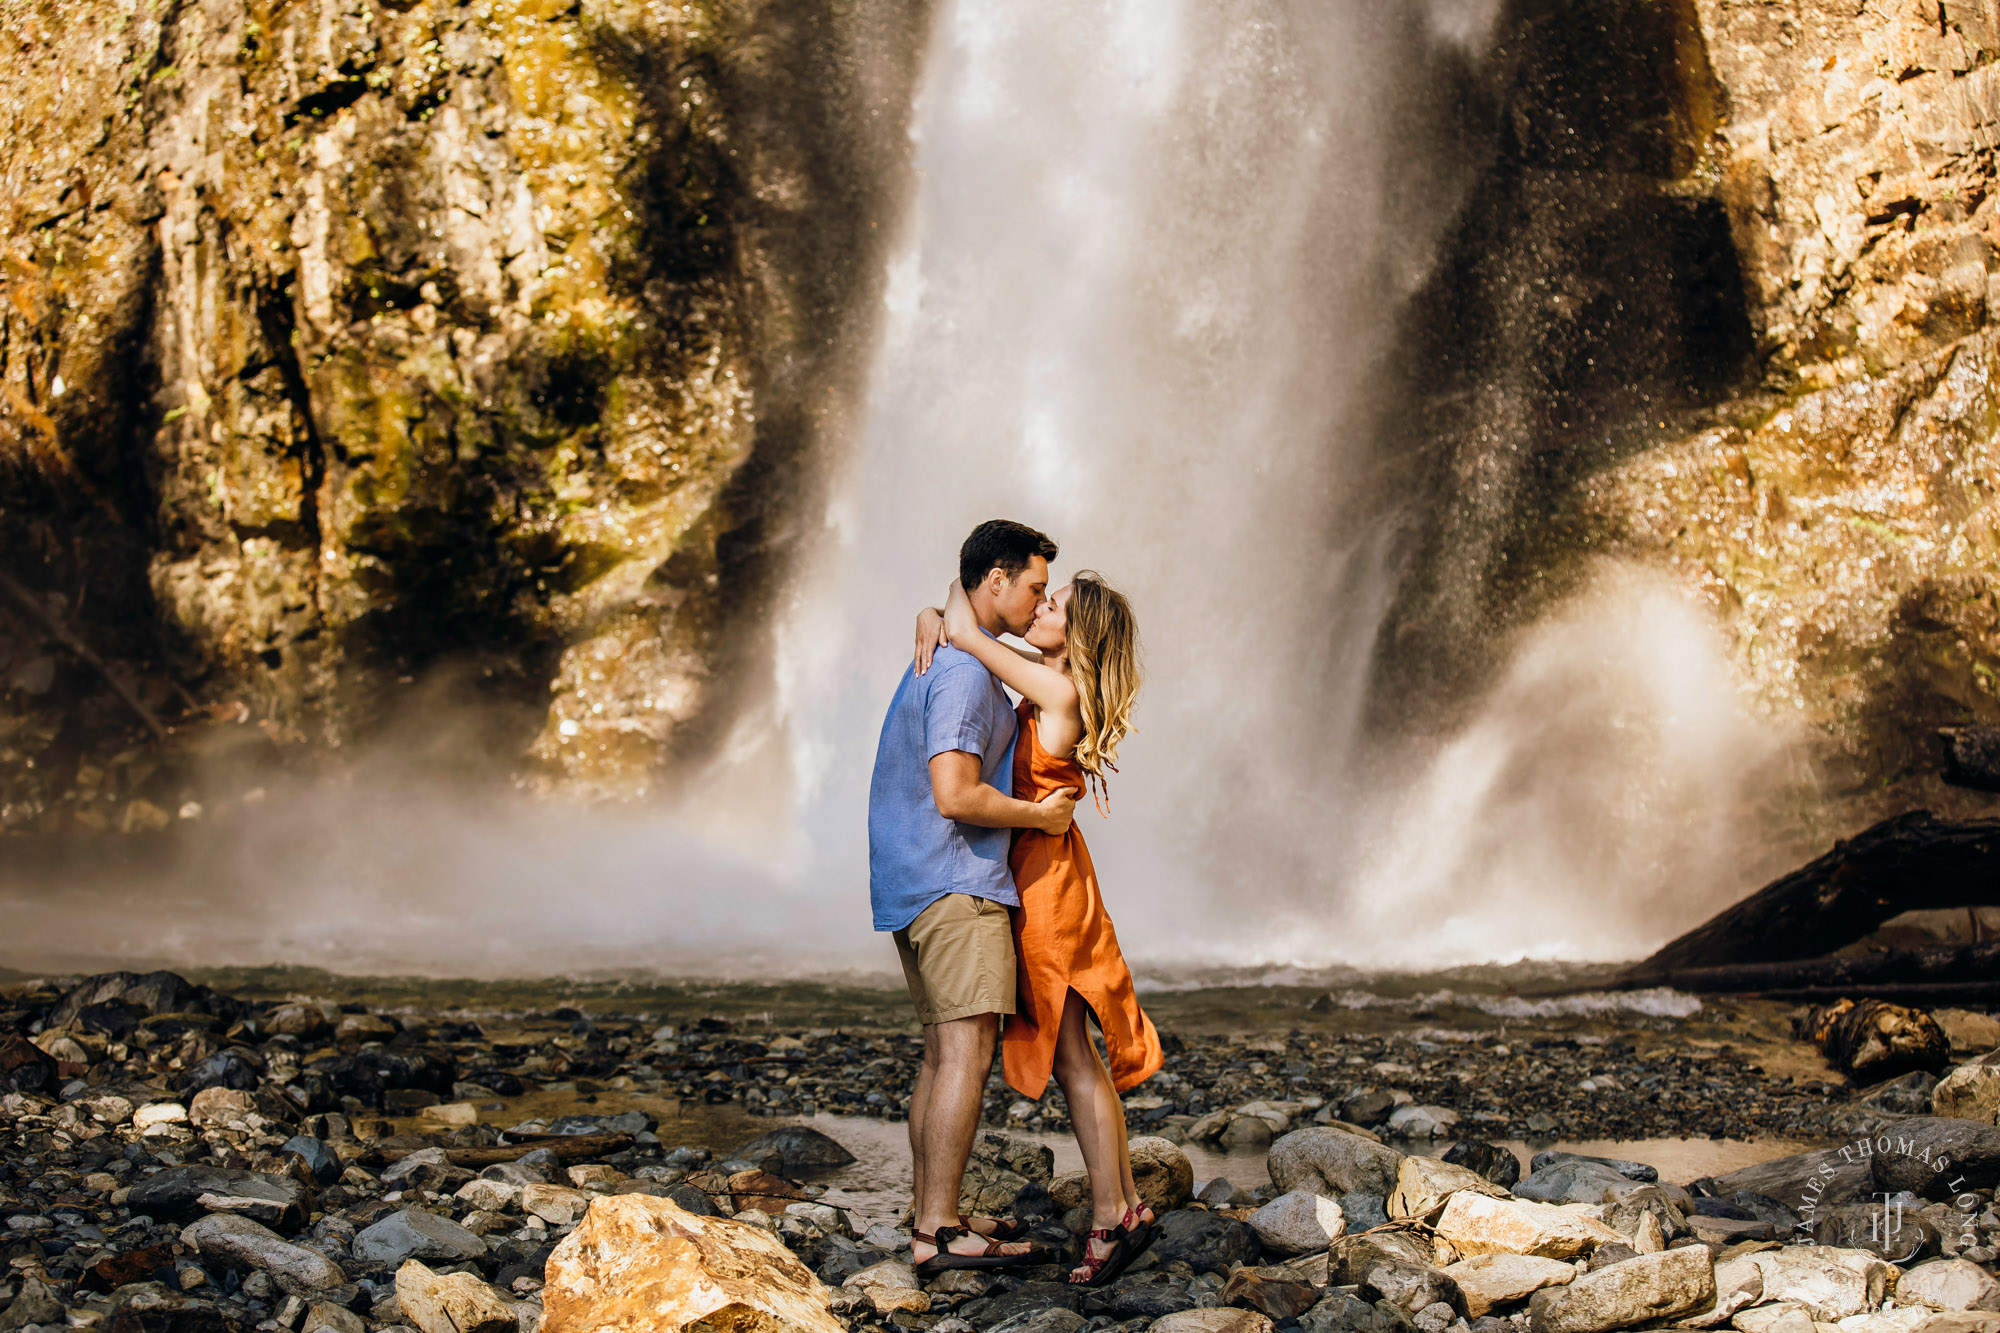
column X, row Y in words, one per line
column 1135, row 1225
column 945, row 1259
column 1004, row 1228
column 1098, row 1271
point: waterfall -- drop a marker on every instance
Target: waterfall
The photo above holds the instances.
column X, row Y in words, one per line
column 1147, row 282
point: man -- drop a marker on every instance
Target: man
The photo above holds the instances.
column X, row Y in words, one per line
column 938, row 835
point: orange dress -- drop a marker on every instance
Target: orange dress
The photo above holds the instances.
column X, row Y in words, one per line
column 1063, row 940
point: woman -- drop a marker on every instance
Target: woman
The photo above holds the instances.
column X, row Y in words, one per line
column 1076, row 694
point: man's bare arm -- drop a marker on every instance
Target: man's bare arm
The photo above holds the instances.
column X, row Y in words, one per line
column 960, row 795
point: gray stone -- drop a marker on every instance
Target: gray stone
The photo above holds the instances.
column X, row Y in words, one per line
column 178, row 1193
column 415, row 1234
column 1041, row 1321
column 1206, row 1242
column 1825, row 1176
column 1410, row 1286
column 1644, row 1289
column 1574, row 1180
column 1363, row 1211
column 1638, row 1171
column 248, row 1244
column 800, row 1147
column 1904, row 1156
column 1333, row 1162
column 1339, row 1312
column 36, row 1303
column 1297, row 1222
column 1497, row 1164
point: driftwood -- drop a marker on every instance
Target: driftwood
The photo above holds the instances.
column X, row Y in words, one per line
column 1870, row 1040
column 1965, row 972
column 567, row 1147
column 1908, row 862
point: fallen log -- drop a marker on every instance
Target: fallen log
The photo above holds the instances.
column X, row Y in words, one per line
column 1956, row 971
column 566, row 1147
column 1902, row 864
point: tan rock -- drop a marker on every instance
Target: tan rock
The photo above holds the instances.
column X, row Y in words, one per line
column 1971, row 1091
column 157, row 1115
column 1212, row 1321
column 554, row 1204
column 645, row 1265
column 1477, row 1223
column 220, row 1106
column 1644, row 1290
column 1491, row 1280
column 1162, row 1172
column 594, row 1176
column 457, row 1115
column 1949, row 1284
column 1738, row 1285
column 1778, row 1317
column 1971, row 1032
column 1829, row 1283
column 1071, row 1189
column 451, row 1302
column 1424, row 1184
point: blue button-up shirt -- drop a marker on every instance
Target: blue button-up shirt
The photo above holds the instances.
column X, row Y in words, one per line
column 915, row 855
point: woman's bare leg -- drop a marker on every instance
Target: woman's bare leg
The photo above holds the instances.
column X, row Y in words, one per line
column 1098, row 1118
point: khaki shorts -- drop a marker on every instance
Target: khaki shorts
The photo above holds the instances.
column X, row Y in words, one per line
column 958, row 956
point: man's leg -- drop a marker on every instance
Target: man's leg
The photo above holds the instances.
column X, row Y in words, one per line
column 964, row 1054
column 920, row 1102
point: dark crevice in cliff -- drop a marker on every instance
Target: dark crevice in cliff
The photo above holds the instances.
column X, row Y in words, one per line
column 1588, row 298
column 276, row 317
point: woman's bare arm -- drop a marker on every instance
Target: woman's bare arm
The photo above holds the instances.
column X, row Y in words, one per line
column 930, row 634
column 1044, row 686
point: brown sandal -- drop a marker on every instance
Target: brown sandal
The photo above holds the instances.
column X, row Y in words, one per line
column 1004, row 1228
column 945, row 1260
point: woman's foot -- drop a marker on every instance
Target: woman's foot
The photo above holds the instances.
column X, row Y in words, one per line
column 1104, row 1247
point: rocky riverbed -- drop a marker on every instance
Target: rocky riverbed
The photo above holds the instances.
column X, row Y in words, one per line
column 173, row 1156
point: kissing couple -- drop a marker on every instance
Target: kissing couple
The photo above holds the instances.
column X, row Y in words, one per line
column 974, row 864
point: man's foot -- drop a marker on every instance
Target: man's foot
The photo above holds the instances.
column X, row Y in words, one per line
column 951, row 1247
column 993, row 1228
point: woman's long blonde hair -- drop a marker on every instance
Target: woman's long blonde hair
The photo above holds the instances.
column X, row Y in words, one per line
column 1103, row 644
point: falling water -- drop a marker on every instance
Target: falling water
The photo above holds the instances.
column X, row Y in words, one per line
column 1148, row 279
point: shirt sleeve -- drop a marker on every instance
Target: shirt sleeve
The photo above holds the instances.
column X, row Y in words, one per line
column 956, row 712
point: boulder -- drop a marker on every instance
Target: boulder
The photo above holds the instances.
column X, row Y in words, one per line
column 1574, row 1180
column 495, row 1196
column 1930, row 1156
column 1829, row 1283
column 1492, row 1280
column 1478, row 1224
column 646, row 1265
column 321, row 1162
column 800, row 1147
column 890, row 1286
column 1739, row 1284
column 1949, row 1284
column 1410, row 1286
column 1206, row 1242
column 242, row 1242
column 451, row 1302
column 1776, row 1317
column 1641, row 1290
column 416, row 1234
column 1827, row 1176
column 1497, row 1164
column 1000, row 1166
column 1421, row 1122
column 1859, row 1226
column 1273, row 1292
column 38, row 1302
column 1971, row 1091
column 188, row 1192
column 1333, row 1162
column 1162, row 1172
column 1339, row 1312
column 1297, row 1222
column 1638, row 1171
column 1351, row 1256
column 1423, row 1184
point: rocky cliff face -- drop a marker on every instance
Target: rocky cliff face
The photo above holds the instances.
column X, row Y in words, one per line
column 1720, row 304
column 347, row 338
